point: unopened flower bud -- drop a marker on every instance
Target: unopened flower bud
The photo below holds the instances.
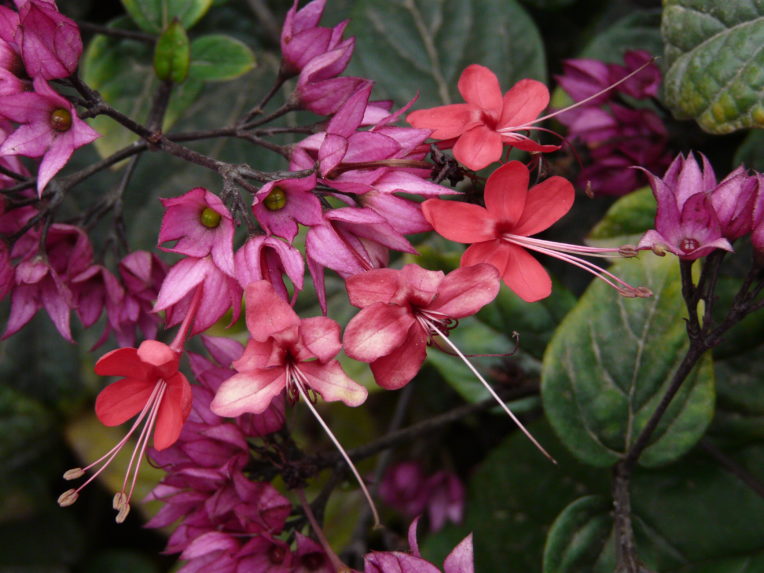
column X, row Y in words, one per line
column 67, row 498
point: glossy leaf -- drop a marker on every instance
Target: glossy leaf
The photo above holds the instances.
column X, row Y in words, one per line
column 626, row 220
column 121, row 71
column 153, row 16
column 219, row 58
column 714, row 61
column 421, row 47
column 609, row 365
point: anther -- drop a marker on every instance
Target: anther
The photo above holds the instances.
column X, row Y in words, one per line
column 67, row 498
column 74, row 473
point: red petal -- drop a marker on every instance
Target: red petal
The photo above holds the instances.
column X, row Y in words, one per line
column 506, row 192
column 399, row 367
column 547, row 202
column 480, row 87
column 520, row 271
column 159, row 355
column 478, row 147
column 173, row 411
column 466, row 290
column 122, row 362
column 267, row 313
column 523, row 103
column 332, row 383
column 446, row 121
column 460, row 222
column 376, row 331
column 321, row 336
column 122, row 400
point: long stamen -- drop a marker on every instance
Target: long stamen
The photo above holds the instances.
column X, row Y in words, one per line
column 299, row 384
column 493, row 393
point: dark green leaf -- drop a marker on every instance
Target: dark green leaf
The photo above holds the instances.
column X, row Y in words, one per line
column 153, row 16
column 715, row 61
column 219, row 57
column 422, row 46
column 610, row 362
column 121, row 71
column 640, row 30
column 740, row 397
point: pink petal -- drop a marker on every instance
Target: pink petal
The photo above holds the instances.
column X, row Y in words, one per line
column 466, row 290
column 480, row 87
column 506, row 192
column 377, row 331
column 460, row 560
column 173, row 411
column 332, row 383
column 376, row 285
column 122, row 400
column 460, row 222
column 398, row 368
column 446, row 121
column 267, row 312
column 478, row 147
column 250, row 391
column 322, row 337
column 546, row 203
column 523, row 103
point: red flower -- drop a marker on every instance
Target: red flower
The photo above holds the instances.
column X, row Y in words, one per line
column 501, row 231
column 488, row 121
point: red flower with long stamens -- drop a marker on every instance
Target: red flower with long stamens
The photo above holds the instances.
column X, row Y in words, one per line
column 501, row 231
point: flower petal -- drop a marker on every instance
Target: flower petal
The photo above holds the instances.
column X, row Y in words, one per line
column 122, row 362
column 478, row 147
column 546, row 203
column 376, row 285
column 446, row 121
column 398, row 368
column 122, row 400
column 506, row 192
column 376, row 331
column 523, row 103
column 321, row 335
column 460, row 560
column 460, row 222
column 173, row 411
column 267, row 312
column 332, row 383
column 466, row 290
column 479, row 87
column 250, row 391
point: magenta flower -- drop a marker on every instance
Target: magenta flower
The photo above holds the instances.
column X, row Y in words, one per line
column 501, row 231
column 49, row 128
column 280, row 205
column 403, row 309
column 49, row 42
column 202, row 225
column 285, row 351
column 686, row 223
column 404, row 488
column 487, row 121
column 268, row 258
column 733, row 201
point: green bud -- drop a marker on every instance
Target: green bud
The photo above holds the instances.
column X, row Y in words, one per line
column 172, row 53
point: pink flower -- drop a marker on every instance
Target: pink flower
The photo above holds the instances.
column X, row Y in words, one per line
column 280, row 205
column 285, row 351
column 202, row 225
column 49, row 42
column 488, row 120
column 403, row 309
column 266, row 257
column 49, row 128
column 501, row 231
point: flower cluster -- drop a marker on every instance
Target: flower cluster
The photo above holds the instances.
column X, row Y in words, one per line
column 697, row 215
column 616, row 133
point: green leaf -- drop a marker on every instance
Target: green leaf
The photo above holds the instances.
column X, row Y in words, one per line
column 715, row 62
column 514, row 496
column 626, row 220
column 740, row 397
column 121, row 70
column 153, row 16
column 580, row 538
column 218, row 57
column 172, row 54
column 421, row 46
column 610, row 363
column 639, row 30
column 749, row 152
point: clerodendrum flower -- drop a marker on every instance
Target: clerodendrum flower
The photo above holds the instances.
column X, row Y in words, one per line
column 155, row 390
column 500, row 233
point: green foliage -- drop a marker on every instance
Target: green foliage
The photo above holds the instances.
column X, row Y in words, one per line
column 217, row 57
column 153, row 16
column 422, row 46
column 611, row 361
column 626, row 220
column 172, row 54
column 714, row 61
